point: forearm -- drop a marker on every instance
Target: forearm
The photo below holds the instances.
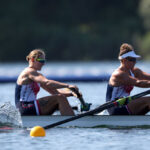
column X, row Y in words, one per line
column 53, row 86
column 50, row 90
column 66, row 92
column 143, row 83
column 56, row 85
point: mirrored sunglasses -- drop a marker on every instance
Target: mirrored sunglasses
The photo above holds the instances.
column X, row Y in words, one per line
column 41, row 60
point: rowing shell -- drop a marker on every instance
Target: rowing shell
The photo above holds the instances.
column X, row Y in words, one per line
column 88, row 121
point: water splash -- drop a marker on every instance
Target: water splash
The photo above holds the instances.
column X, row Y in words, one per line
column 9, row 115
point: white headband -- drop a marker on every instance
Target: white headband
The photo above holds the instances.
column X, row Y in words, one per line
column 129, row 54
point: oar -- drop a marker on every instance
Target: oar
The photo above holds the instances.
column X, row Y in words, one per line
column 119, row 102
column 84, row 106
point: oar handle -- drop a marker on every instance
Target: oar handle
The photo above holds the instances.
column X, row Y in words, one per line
column 85, row 106
column 77, row 93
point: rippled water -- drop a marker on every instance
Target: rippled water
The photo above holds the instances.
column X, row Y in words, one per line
column 73, row 138
column 78, row 138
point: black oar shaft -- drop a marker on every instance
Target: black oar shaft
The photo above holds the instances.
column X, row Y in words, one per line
column 141, row 94
column 99, row 109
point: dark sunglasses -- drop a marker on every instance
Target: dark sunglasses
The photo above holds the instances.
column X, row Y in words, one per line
column 131, row 59
column 41, row 60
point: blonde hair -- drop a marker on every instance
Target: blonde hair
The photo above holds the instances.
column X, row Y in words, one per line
column 125, row 48
column 36, row 53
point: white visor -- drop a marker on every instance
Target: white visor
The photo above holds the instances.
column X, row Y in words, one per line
column 129, row 54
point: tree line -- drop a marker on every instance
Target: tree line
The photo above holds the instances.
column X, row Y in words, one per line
column 67, row 30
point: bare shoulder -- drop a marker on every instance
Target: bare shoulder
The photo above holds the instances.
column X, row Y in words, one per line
column 29, row 75
column 23, row 77
column 28, row 71
column 118, row 73
column 36, row 76
column 117, row 77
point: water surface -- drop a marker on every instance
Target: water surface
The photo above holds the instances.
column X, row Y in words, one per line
column 73, row 138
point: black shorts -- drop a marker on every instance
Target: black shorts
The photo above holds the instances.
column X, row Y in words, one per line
column 119, row 111
column 27, row 108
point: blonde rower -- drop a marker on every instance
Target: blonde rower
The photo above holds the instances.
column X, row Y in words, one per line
column 29, row 83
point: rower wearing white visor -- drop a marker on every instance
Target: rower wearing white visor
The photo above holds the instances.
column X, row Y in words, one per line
column 129, row 54
column 123, row 80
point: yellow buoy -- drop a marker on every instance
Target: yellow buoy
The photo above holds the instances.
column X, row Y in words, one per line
column 37, row 131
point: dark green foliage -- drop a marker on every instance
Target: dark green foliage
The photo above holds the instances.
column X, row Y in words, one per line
column 67, row 29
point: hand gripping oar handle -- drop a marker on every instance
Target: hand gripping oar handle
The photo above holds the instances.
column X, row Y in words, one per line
column 85, row 106
column 119, row 102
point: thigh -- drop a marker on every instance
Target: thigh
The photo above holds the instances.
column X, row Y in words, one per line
column 139, row 106
column 48, row 104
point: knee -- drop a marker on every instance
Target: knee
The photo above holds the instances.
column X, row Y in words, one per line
column 147, row 103
column 61, row 97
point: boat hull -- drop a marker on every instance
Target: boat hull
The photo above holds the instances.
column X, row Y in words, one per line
column 88, row 121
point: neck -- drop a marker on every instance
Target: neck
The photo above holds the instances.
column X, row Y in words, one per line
column 31, row 65
column 124, row 67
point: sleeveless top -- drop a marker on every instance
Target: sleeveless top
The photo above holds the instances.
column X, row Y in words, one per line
column 116, row 92
column 26, row 93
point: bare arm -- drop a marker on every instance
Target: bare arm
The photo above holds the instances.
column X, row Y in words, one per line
column 141, row 74
column 49, row 85
column 120, row 78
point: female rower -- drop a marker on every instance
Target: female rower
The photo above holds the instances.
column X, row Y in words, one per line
column 29, row 83
column 122, row 81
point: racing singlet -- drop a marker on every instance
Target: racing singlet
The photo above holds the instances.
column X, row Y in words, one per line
column 116, row 92
column 27, row 94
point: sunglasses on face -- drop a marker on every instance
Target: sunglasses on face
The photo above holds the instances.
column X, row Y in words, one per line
column 41, row 60
column 131, row 59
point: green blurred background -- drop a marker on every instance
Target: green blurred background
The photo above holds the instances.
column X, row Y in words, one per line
column 73, row 30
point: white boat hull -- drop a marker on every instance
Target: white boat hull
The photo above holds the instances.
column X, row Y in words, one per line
column 88, row 121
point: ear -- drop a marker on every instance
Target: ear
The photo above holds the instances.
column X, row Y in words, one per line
column 122, row 60
column 32, row 59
